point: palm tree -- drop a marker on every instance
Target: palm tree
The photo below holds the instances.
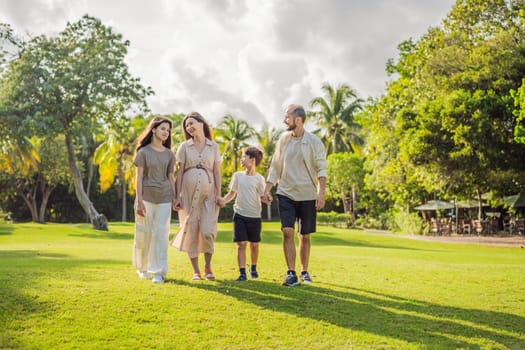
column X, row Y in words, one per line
column 267, row 138
column 114, row 157
column 335, row 116
column 17, row 154
column 232, row 135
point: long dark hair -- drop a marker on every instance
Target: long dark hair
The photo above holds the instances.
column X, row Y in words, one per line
column 145, row 138
column 208, row 133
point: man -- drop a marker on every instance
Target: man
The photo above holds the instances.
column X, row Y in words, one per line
column 299, row 168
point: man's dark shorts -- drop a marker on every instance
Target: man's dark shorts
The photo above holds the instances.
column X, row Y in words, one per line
column 302, row 212
column 246, row 229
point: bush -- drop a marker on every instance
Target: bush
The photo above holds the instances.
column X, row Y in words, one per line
column 334, row 219
column 409, row 223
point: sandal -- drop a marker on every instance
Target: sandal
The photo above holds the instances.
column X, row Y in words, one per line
column 209, row 276
column 196, row 277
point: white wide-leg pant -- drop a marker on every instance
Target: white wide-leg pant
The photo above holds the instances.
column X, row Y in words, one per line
column 150, row 251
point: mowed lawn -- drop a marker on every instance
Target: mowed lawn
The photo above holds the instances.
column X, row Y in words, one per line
column 71, row 287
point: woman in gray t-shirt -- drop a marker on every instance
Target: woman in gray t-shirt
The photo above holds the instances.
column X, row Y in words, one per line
column 155, row 184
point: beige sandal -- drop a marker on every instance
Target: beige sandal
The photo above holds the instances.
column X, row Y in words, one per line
column 209, row 276
column 196, row 277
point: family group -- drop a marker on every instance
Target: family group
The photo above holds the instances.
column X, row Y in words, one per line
column 189, row 182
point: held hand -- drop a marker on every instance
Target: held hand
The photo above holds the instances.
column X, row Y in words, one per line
column 268, row 197
column 220, row 202
column 177, row 204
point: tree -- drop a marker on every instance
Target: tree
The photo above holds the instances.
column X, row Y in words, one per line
column 36, row 187
column 519, row 112
column 16, row 150
column 449, row 112
column 267, row 138
column 345, row 177
column 74, row 84
column 335, row 116
column 233, row 134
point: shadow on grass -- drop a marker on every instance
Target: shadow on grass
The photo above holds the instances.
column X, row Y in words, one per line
column 6, row 230
column 19, row 270
column 322, row 239
column 414, row 321
column 104, row 235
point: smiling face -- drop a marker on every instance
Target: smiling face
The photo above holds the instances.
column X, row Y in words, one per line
column 247, row 162
column 193, row 127
column 289, row 120
column 162, row 131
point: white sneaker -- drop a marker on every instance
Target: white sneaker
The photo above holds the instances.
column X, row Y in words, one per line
column 144, row 274
column 158, row 279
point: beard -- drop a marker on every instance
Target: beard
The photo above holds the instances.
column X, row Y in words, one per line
column 291, row 127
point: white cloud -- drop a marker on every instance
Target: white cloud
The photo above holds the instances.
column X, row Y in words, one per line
column 248, row 58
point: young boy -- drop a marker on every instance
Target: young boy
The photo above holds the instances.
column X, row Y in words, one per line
column 248, row 187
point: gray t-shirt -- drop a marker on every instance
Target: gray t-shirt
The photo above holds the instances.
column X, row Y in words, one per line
column 156, row 186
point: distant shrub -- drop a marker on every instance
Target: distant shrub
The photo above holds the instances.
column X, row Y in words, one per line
column 409, row 223
column 334, row 219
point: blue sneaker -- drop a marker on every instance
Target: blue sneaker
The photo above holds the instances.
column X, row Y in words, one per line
column 254, row 274
column 291, row 280
column 305, row 277
column 242, row 277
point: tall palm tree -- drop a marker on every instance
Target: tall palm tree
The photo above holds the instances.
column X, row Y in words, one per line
column 267, row 138
column 114, row 157
column 334, row 115
column 17, row 154
column 232, row 135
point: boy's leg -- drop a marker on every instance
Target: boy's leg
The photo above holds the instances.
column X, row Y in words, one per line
column 241, row 254
column 254, row 256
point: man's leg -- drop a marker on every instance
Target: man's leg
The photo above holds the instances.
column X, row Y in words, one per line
column 254, row 252
column 304, row 251
column 289, row 247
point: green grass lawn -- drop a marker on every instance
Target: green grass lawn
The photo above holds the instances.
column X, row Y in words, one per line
column 70, row 287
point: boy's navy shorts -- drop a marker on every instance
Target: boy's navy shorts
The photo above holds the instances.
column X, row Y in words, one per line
column 246, row 229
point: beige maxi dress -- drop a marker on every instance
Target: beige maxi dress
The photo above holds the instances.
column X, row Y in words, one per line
column 199, row 213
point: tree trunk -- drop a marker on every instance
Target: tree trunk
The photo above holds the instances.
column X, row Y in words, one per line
column 124, row 205
column 354, row 200
column 31, row 204
column 98, row 221
column 346, row 202
column 46, row 192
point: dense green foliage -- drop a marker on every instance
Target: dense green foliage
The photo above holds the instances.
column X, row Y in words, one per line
column 445, row 126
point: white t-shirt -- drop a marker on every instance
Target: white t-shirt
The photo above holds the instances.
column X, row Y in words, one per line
column 249, row 189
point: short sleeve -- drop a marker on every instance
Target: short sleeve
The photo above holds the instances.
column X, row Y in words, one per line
column 217, row 155
column 234, row 183
column 180, row 156
column 139, row 160
column 261, row 185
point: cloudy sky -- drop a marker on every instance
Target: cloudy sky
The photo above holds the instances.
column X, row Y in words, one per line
column 248, row 58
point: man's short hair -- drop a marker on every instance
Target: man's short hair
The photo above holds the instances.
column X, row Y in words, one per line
column 254, row 152
column 297, row 111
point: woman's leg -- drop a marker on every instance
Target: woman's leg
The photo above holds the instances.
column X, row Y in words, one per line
column 158, row 253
